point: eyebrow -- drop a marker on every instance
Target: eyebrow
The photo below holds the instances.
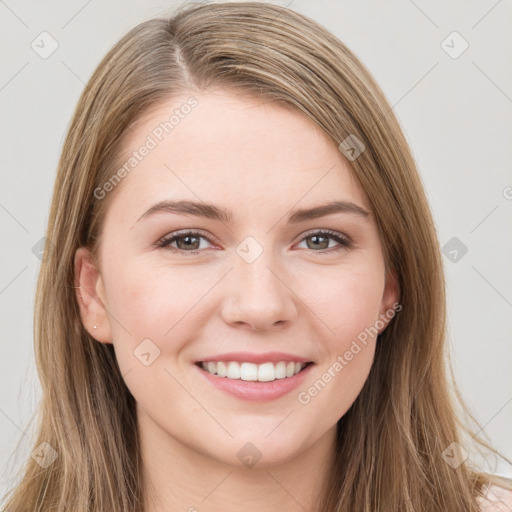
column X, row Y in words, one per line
column 211, row 211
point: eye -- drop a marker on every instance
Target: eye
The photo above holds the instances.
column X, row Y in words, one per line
column 186, row 241
column 190, row 241
column 321, row 240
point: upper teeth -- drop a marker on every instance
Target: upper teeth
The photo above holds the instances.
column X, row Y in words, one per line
column 249, row 371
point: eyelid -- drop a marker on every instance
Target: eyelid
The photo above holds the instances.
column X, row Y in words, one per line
column 345, row 243
column 330, row 232
column 168, row 238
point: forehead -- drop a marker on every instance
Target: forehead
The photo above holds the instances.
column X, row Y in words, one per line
column 232, row 149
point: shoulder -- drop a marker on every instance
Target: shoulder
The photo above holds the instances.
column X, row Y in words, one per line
column 497, row 499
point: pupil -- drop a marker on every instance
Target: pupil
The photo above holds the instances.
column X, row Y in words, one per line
column 315, row 238
column 187, row 241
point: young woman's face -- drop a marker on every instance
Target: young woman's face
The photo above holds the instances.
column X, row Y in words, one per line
column 208, row 254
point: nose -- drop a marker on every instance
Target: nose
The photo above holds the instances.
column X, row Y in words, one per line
column 258, row 295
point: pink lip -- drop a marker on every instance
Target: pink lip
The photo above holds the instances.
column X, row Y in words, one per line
column 251, row 357
column 255, row 391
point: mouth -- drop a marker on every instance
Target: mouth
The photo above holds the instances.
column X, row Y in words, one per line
column 252, row 372
column 256, row 382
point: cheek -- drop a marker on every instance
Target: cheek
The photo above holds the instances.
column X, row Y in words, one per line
column 152, row 309
column 346, row 302
column 347, row 308
column 154, row 301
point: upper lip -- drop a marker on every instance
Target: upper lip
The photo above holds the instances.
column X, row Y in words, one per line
column 252, row 357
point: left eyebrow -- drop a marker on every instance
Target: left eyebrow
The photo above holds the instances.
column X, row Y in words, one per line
column 211, row 211
column 327, row 209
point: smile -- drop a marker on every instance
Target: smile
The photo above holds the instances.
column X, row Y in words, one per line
column 265, row 372
column 254, row 382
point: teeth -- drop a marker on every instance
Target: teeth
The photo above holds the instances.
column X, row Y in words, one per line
column 248, row 371
column 265, row 372
column 233, row 370
column 222, row 371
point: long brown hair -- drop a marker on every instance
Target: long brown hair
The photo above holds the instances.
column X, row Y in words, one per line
column 389, row 449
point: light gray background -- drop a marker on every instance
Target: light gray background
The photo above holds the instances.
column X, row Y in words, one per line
column 456, row 114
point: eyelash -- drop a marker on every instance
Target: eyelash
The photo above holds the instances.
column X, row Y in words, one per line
column 344, row 242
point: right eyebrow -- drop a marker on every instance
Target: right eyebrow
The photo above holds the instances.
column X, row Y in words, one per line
column 199, row 209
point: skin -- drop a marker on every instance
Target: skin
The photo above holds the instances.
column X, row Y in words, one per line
column 260, row 161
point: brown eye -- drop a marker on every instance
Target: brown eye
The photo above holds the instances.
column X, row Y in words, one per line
column 319, row 241
column 187, row 241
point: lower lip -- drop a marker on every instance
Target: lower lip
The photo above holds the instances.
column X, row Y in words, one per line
column 253, row 390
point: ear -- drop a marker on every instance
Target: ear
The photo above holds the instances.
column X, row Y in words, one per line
column 389, row 304
column 91, row 297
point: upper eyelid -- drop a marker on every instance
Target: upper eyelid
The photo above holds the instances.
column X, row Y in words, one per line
column 326, row 231
column 211, row 239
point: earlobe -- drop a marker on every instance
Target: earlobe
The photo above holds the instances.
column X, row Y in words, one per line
column 91, row 297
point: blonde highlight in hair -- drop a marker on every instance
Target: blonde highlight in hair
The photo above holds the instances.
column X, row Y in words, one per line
column 388, row 454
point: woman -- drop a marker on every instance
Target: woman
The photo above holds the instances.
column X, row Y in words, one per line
column 245, row 303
